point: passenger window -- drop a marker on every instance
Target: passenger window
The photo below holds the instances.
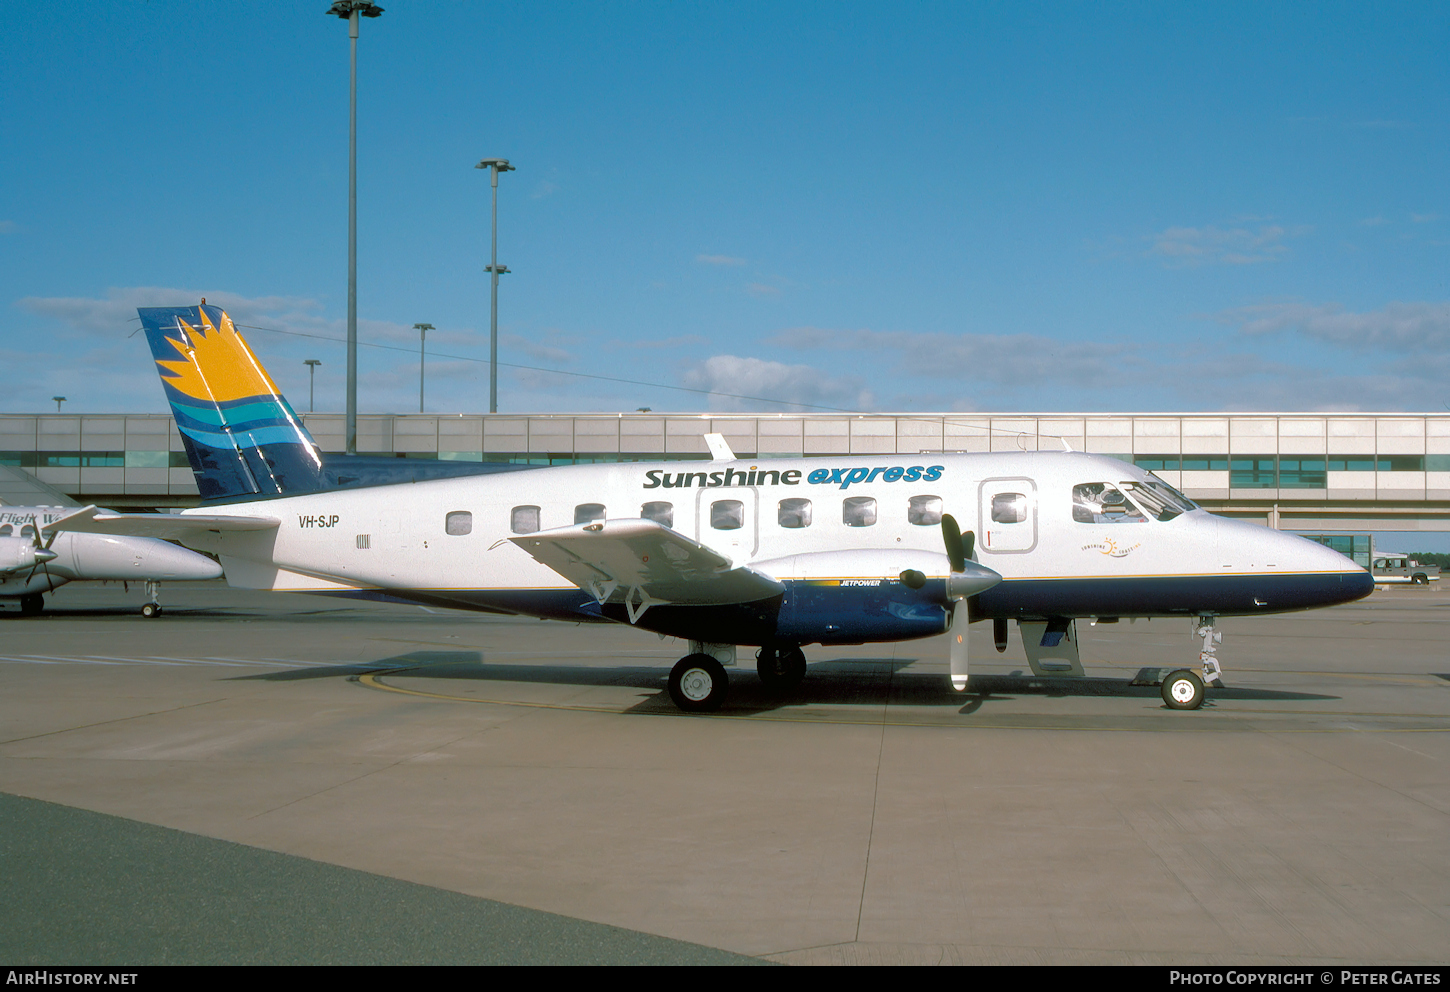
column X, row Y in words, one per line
column 524, row 520
column 458, row 523
column 27, row 531
column 858, row 511
column 794, row 513
column 727, row 514
column 661, row 513
column 5, row 530
column 1009, row 508
column 1100, row 503
column 588, row 512
column 924, row 511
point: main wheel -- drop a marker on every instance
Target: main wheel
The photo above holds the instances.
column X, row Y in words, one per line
column 1420, row 579
column 781, row 671
column 30, row 606
column 151, row 610
column 698, row 683
column 1183, row 690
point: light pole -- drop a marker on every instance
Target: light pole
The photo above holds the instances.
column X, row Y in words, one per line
column 58, row 401
column 496, row 165
column 423, row 330
column 311, row 364
column 352, row 10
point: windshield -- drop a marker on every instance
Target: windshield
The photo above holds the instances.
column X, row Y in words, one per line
column 1160, row 499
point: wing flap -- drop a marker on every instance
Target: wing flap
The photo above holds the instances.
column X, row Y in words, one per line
column 643, row 562
column 168, row 526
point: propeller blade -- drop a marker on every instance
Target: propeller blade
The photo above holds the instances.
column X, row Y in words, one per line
column 952, row 537
column 969, row 544
column 959, row 646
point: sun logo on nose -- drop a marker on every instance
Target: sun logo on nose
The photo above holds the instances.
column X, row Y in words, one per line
column 218, row 365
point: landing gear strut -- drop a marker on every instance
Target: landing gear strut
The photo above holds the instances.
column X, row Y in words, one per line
column 1183, row 689
column 152, row 608
column 780, row 670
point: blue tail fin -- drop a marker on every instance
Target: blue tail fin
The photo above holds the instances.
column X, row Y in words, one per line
column 242, row 437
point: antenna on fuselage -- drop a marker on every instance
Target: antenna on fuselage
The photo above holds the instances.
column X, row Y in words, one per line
column 719, row 448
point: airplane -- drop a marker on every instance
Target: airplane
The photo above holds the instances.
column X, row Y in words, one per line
column 775, row 553
column 33, row 562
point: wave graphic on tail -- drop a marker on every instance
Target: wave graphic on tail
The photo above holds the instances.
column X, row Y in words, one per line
column 243, row 438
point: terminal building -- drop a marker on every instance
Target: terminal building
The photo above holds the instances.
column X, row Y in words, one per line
column 1343, row 474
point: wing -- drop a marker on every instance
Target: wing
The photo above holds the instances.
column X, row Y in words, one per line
column 168, row 526
column 644, row 564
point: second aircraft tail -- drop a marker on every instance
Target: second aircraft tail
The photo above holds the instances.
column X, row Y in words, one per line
column 242, row 437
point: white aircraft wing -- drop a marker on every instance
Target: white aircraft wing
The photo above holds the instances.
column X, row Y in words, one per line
column 644, row 564
column 168, row 526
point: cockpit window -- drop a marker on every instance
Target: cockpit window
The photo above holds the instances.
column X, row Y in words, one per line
column 1101, row 503
column 1160, row 499
column 661, row 513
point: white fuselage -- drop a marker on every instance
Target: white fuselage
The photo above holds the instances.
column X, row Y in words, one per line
column 1054, row 558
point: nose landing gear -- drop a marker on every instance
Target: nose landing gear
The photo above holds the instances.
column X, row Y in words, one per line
column 1183, row 689
column 152, row 608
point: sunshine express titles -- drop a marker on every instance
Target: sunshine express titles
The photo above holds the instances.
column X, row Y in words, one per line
column 842, row 477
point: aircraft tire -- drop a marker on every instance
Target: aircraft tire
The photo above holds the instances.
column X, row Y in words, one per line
column 698, row 683
column 781, row 671
column 32, row 605
column 151, row 610
column 1183, row 690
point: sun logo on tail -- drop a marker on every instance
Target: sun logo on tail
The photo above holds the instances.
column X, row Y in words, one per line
column 218, row 365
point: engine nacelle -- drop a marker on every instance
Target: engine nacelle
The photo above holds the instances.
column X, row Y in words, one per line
column 20, row 553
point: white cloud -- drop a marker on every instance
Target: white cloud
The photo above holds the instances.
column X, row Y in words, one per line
column 729, row 377
column 760, row 289
column 719, row 260
column 1412, row 327
column 1187, row 247
column 117, row 312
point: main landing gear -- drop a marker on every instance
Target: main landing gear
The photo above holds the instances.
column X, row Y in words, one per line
column 1183, row 689
column 780, row 670
column 698, row 682
column 152, row 607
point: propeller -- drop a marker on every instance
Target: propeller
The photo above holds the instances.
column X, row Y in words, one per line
column 967, row 580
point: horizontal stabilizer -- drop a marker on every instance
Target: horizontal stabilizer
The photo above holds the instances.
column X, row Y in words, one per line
column 611, row 559
column 167, row 526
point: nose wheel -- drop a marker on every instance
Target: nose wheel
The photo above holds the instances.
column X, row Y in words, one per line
column 1183, row 690
column 698, row 683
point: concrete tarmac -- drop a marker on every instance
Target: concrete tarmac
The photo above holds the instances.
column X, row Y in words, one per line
column 875, row 816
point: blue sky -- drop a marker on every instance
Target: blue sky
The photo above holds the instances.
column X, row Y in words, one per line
column 1117, row 207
